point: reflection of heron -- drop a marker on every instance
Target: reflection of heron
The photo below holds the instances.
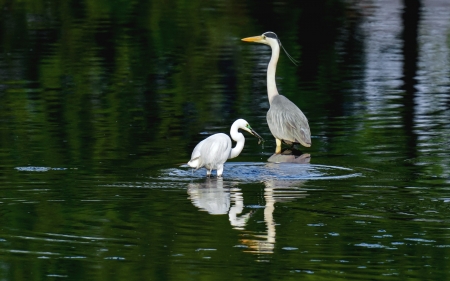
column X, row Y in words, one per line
column 286, row 121
column 274, row 191
column 215, row 150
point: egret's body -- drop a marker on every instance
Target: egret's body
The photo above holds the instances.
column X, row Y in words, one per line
column 215, row 150
column 286, row 121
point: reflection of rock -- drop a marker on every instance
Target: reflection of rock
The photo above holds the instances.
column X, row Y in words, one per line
column 288, row 156
column 293, row 171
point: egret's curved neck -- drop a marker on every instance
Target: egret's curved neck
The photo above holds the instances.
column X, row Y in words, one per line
column 239, row 139
column 271, row 70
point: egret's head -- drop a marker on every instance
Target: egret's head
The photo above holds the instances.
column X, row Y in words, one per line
column 244, row 125
column 267, row 38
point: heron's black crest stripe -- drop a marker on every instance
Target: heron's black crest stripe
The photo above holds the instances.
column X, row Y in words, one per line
column 271, row 34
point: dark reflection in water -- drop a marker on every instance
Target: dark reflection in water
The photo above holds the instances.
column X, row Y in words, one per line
column 218, row 198
column 101, row 104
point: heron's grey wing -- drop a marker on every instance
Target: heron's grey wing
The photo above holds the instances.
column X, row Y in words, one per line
column 287, row 122
column 215, row 150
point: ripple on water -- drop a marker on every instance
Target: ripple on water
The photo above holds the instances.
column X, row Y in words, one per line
column 256, row 172
column 38, row 169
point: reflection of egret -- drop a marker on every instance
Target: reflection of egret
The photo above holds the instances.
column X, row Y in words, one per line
column 286, row 121
column 213, row 197
column 215, row 150
column 210, row 196
column 238, row 222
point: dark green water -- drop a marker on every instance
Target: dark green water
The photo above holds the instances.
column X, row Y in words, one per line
column 102, row 102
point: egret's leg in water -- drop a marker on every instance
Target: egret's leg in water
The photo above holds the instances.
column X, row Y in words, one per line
column 278, row 149
column 219, row 170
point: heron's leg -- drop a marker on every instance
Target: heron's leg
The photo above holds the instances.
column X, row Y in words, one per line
column 219, row 170
column 278, row 149
column 208, row 173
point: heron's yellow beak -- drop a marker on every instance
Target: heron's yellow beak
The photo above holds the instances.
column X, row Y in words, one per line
column 257, row 39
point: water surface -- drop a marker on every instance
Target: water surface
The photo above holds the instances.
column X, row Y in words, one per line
column 101, row 105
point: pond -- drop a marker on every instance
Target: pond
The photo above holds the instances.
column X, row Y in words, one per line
column 102, row 103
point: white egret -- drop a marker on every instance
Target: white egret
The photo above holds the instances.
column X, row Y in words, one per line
column 215, row 150
column 286, row 121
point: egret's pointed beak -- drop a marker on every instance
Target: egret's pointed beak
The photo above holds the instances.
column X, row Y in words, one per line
column 257, row 39
column 253, row 132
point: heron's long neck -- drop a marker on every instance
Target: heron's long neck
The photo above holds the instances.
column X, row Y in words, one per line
column 271, row 70
column 240, row 141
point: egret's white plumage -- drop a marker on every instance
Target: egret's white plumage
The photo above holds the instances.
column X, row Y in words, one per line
column 286, row 121
column 215, row 150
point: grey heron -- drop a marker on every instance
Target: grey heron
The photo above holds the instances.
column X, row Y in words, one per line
column 286, row 121
column 215, row 150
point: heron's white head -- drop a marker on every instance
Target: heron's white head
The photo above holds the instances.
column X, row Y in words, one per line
column 271, row 39
column 268, row 38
